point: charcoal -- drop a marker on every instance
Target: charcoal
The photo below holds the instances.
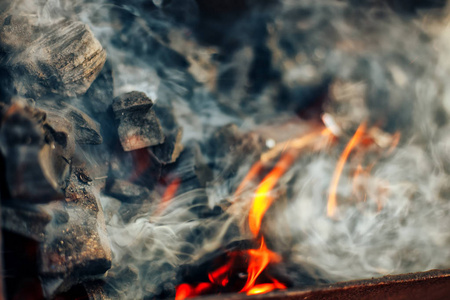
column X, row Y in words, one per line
column 60, row 58
column 138, row 166
column 190, row 168
column 100, row 95
column 26, row 220
column 33, row 171
column 88, row 290
column 75, row 244
column 169, row 151
column 123, row 278
column 131, row 102
column 61, row 131
column 86, row 130
column 229, row 139
column 138, row 126
column 127, row 191
column 96, row 291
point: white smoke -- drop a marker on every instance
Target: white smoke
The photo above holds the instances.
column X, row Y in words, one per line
column 400, row 225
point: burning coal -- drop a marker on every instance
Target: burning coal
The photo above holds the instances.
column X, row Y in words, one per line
column 179, row 148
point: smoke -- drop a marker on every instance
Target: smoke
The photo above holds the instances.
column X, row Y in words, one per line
column 400, row 59
column 249, row 71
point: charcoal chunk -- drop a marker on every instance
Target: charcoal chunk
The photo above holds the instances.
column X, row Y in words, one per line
column 75, row 244
column 26, row 220
column 131, row 102
column 190, row 169
column 169, row 151
column 86, row 130
column 122, row 279
column 138, row 126
column 64, row 58
column 100, row 95
column 127, row 191
column 33, row 171
column 96, row 291
column 229, row 140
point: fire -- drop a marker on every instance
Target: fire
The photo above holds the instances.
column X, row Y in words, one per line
column 263, row 200
column 258, row 259
column 354, row 141
column 254, row 171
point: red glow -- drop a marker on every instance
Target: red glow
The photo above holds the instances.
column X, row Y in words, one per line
column 168, row 195
column 266, row 287
column 259, row 259
column 185, row 290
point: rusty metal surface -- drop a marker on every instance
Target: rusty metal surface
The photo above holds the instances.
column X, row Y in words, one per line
column 431, row 285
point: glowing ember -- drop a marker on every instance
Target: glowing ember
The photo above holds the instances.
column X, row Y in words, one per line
column 169, row 193
column 186, row 291
column 266, row 287
column 332, row 203
column 258, row 259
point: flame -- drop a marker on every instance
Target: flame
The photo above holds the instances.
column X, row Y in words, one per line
column 254, row 171
column 258, row 259
column 263, row 200
column 266, row 287
column 185, row 290
column 332, row 203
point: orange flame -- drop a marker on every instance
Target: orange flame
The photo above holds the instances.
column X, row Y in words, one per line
column 266, row 287
column 185, row 290
column 258, row 259
column 254, row 171
column 263, row 200
column 332, row 203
